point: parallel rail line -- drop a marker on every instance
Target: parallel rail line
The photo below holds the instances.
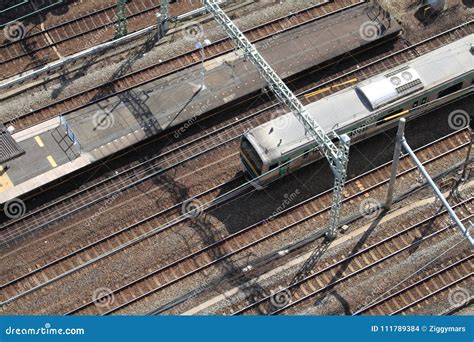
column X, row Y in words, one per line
column 50, row 214
column 253, row 235
column 330, row 275
column 88, row 26
column 406, row 299
column 35, row 279
column 154, row 224
column 177, row 63
column 127, row 179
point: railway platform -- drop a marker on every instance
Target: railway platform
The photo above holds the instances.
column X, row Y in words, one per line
column 118, row 122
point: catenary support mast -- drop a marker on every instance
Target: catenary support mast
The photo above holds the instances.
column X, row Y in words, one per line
column 337, row 156
column 121, row 29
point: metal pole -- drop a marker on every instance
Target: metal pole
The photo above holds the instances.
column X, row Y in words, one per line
column 438, row 193
column 339, row 181
column 121, row 19
column 395, row 162
column 163, row 17
column 202, row 66
column 468, row 156
column 201, row 45
column 337, row 157
column 159, row 29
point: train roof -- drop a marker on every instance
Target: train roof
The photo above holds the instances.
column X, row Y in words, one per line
column 384, row 89
column 285, row 133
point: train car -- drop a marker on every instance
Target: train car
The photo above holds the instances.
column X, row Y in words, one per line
column 280, row 146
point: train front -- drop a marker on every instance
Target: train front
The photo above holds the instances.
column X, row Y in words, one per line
column 252, row 163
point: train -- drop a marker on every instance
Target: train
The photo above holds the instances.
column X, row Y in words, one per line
column 280, row 146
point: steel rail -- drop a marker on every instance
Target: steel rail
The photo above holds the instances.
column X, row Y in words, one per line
column 358, row 253
column 208, row 55
column 249, row 228
column 275, row 105
column 414, row 285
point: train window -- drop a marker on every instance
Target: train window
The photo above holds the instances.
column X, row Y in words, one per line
column 273, row 166
column 251, row 156
column 284, row 166
column 450, row 90
column 306, row 154
column 415, row 104
column 425, row 99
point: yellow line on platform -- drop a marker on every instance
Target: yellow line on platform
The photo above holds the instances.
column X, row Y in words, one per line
column 39, row 141
column 51, row 161
column 5, row 181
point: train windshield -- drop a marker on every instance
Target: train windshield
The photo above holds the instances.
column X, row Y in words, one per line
column 250, row 157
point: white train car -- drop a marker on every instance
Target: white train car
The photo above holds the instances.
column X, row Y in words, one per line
column 280, row 146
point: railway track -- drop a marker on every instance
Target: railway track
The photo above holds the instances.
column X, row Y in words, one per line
column 157, row 165
column 73, row 202
column 23, row 9
column 14, row 52
column 406, row 300
column 105, row 188
column 126, row 229
column 180, row 62
column 123, row 238
column 235, row 243
column 249, row 237
column 329, row 274
column 45, row 46
column 46, row 214
column 128, row 237
column 49, row 273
